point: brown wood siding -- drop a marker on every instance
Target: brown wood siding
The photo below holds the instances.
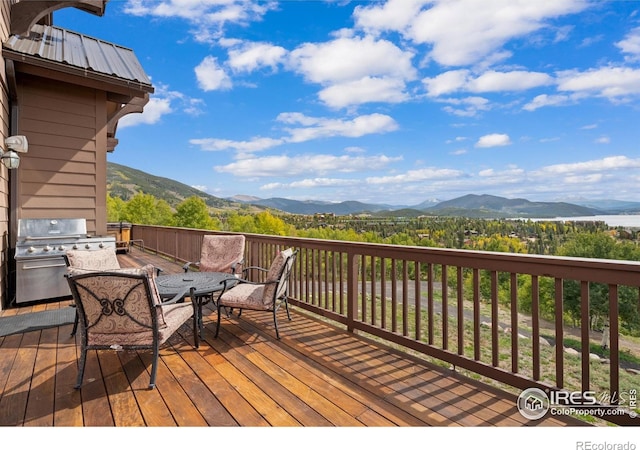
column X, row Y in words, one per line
column 64, row 173
column 4, row 183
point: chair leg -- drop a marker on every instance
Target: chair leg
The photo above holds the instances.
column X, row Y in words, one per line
column 81, row 365
column 286, row 307
column 154, row 365
column 75, row 323
column 199, row 315
column 196, row 303
column 275, row 322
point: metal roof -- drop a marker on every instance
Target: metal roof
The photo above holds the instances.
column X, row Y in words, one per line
column 59, row 45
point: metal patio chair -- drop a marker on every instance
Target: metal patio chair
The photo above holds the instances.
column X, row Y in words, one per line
column 123, row 310
column 268, row 295
column 219, row 253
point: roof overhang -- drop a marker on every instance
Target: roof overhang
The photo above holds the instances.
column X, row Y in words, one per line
column 76, row 75
column 26, row 13
column 63, row 55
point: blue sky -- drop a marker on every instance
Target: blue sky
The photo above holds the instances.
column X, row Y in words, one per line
column 396, row 101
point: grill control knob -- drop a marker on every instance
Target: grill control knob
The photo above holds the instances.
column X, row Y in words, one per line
column 101, row 245
column 31, row 249
column 46, row 248
column 87, row 246
column 62, row 248
column 75, row 246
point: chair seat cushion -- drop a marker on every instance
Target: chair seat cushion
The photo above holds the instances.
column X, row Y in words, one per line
column 174, row 316
column 245, row 295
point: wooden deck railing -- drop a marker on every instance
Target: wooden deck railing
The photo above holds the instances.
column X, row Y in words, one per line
column 452, row 305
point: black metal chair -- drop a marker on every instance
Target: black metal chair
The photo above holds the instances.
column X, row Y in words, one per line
column 123, row 310
column 219, row 253
column 268, row 295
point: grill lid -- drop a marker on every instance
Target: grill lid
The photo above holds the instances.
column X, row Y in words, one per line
column 39, row 229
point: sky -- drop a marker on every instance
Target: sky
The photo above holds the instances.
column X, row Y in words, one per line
column 390, row 102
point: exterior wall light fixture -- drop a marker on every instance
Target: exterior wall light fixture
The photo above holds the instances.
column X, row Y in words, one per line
column 14, row 145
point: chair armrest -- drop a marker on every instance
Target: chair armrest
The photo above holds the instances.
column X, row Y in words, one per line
column 176, row 298
column 189, row 265
column 243, row 281
column 247, row 269
column 236, row 264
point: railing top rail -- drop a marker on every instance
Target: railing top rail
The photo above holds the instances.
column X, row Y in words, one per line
column 588, row 269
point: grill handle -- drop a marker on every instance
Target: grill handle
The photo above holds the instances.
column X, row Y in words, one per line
column 58, row 236
column 45, row 266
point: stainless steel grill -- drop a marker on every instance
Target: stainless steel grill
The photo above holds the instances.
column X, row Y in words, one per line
column 40, row 248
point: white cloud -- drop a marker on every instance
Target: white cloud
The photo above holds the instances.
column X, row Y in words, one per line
column 194, row 106
column 393, row 15
column 365, row 90
column 603, row 140
column 517, row 80
column 490, row 81
column 307, row 128
column 210, row 76
column 320, row 164
column 464, row 32
column 584, row 179
column 596, row 165
column 311, row 183
column 417, row 175
column 493, row 140
column 355, row 70
column 446, row 82
column 251, row 56
column 466, row 107
column 543, row 100
column 610, row 82
column 153, row 112
column 630, row 45
column 255, row 144
column 512, row 174
column 317, row 128
column 347, row 59
column 208, row 17
column 164, row 101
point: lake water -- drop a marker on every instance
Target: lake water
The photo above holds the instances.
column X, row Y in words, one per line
column 631, row 220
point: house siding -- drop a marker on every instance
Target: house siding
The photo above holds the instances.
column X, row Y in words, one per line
column 64, row 173
column 63, row 110
column 4, row 182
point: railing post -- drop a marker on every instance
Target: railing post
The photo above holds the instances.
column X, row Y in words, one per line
column 352, row 291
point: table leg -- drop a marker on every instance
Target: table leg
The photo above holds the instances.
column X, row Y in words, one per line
column 200, row 326
column 196, row 318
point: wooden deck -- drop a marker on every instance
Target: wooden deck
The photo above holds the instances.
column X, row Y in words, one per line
column 316, row 375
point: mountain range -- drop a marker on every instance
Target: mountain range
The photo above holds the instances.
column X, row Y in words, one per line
column 125, row 182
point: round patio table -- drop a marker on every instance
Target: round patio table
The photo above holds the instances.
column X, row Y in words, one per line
column 200, row 285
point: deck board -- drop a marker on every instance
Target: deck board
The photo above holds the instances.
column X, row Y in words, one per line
column 315, row 375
